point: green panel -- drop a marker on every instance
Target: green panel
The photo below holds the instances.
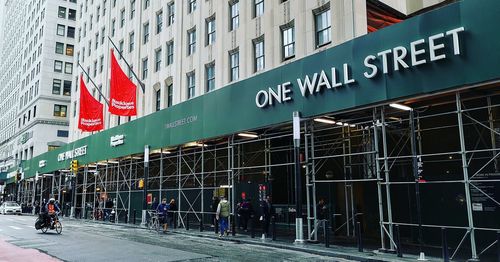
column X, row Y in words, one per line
column 232, row 109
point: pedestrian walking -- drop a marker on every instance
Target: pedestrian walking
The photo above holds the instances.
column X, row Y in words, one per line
column 267, row 213
column 171, row 213
column 247, row 212
column 162, row 210
column 222, row 215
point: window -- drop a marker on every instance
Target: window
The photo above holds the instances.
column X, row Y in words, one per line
column 60, row 110
column 71, row 32
column 235, row 16
column 72, row 14
column 62, row 133
column 210, row 75
column 158, row 99
column 90, row 22
column 157, row 60
column 192, row 6
column 146, row 4
column 95, row 68
column 59, row 48
column 120, row 47
column 159, row 21
column 113, row 23
column 170, row 52
column 323, row 26
column 288, row 39
column 62, row 12
column 234, row 59
column 103, row 32
column 191, row 41
column 101, row 64
column 98, row 14
column 122, row 18
column 56, row 87
column 60, row 30
column 96, row 40
column 70, row 50
column 99, row 92
column 145, row 37
column 131, row 42
column 171, row 12
column 210, row 31
column 170, row 95
column 259, row 7
column 67, row 88
column 58, row 65
column 191, row 85
column 144, row 68
column 259, row 55
column 68, row 68
column 132, row 9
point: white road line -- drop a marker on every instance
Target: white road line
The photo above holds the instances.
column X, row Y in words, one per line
column 14, row 227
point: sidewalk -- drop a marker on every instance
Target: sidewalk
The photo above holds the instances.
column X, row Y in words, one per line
column 350, row 253
column 12, row 253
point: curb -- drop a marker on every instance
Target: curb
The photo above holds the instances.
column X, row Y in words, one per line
column 266, row 244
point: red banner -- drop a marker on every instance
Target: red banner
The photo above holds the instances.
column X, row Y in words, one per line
column 91, row 115
column 122, row 91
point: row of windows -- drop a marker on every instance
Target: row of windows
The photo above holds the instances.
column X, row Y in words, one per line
column 58, row 83
column 62, row 13
column 29, row 95
column 58, row 67
column 62, row 29
column 26, row 118
column 61, row 50
column 170, row 90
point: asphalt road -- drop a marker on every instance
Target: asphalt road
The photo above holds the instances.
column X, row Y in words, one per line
column 94, row 242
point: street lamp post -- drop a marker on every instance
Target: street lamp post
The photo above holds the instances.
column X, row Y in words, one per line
column 299, row 235
column 146, row 177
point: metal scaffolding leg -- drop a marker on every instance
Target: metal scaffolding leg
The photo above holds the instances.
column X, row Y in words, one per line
column 386, row 173
column 379, row 180
column 466, row 178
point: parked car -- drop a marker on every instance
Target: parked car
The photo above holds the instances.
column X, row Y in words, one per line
column 10, row 208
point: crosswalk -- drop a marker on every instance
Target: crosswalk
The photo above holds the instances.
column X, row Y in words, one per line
column 31, row 243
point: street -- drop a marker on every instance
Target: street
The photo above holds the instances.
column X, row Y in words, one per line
column 92, row 242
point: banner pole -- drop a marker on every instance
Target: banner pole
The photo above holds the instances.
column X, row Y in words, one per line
column 128, row 65
column 98, row 90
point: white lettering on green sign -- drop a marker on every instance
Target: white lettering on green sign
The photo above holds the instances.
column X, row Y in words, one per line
column 401, row 58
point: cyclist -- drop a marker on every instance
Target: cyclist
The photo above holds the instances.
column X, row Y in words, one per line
column 162, row 213
column 52, row 209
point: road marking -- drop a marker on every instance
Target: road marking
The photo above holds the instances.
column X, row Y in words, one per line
column 14, row 227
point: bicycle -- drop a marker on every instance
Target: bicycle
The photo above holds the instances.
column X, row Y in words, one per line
column 53, row 224
column 154, row 221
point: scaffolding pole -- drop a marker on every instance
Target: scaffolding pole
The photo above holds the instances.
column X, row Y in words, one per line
column 466, row 178
column 387, row 179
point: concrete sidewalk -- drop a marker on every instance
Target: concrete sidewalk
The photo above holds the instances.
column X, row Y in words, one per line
column 350, row 253
column 12, row 253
